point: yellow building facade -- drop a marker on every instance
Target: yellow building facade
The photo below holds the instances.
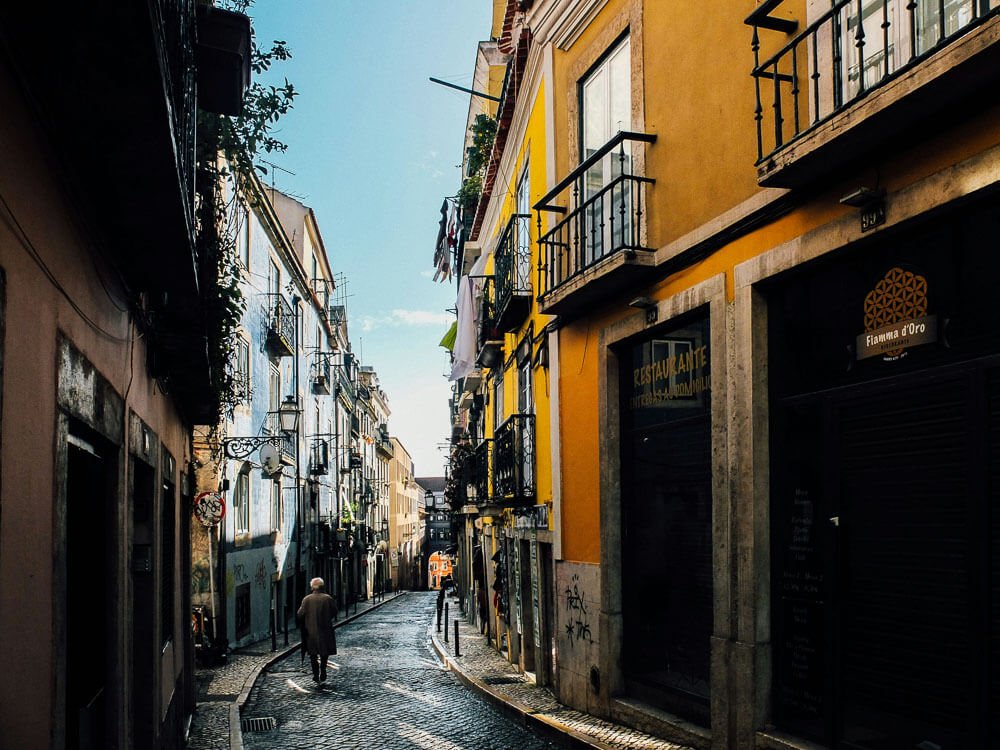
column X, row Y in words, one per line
column 762, row 237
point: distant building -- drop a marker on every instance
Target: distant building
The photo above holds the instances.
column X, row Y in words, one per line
column 437, row 517
column 271, row 538
column 405, row 542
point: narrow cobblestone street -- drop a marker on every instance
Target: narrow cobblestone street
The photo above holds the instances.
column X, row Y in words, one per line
column 386, row 689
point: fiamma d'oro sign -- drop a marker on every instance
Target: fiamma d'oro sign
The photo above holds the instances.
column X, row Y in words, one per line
column 896, row 316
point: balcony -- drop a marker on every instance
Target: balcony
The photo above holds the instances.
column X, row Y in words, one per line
column 482, row 465
column 347, row 377
column 489, row 335
column 279, row 326
column 512, row 264
column 383, row 443
column 514, row 461
column 286, row 440
column 319, row 458
column 319, row 373
column 597, row 248
column 862, row 75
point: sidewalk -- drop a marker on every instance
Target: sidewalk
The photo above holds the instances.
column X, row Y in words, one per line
column 484, row 670
column 223, row 690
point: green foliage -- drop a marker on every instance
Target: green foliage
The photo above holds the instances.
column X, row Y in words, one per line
column 468, row 194
column 484, row 131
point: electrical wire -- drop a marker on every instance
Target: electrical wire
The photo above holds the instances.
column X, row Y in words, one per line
column 26, row 243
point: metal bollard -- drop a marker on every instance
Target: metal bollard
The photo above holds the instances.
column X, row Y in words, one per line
column 456, row 639
column 439, row 620
column 446, row 622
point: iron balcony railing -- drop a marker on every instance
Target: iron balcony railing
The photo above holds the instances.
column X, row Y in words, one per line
column 175, row 21
column 851, row 49
column 319, row 373
column 514, row 461
column 488, row 330
column 482, row 460
column 279, row 324
column 512, row 268
column 604, row 216
column 319, row 458
column 273, row 428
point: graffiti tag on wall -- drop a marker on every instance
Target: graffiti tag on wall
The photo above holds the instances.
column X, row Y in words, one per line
column 578, row 620
column 260, row 577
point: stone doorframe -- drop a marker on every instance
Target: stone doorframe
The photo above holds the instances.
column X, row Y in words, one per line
column 710, row 293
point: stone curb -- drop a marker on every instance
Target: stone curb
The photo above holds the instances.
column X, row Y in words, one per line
column 549, row 728
column 235, row 730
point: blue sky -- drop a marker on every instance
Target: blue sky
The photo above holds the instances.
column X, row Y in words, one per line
column 374, row 147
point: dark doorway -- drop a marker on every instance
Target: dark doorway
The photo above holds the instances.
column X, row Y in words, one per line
column 145, row 647
column 90, row 585
column 667, row 517
column 885, row 479
column 885, row 545
column 529, row 608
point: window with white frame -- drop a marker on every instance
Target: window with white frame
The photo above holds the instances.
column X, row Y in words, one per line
column 606, row 107
column 498, row 414
column 241, row 369
column 241, row 505
column 243, row 235
column 276, row 505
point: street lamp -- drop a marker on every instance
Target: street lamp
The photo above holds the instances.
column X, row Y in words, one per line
column 288, row 415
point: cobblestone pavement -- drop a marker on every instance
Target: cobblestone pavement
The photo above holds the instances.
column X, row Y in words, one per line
column 483, row 669
column 386, row 689
column 220, row 687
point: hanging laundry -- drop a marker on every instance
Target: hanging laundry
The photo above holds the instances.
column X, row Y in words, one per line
column 441, row 244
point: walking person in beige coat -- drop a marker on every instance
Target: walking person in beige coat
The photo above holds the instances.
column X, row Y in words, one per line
column 316, row 617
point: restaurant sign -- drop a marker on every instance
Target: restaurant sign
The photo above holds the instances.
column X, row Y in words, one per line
column 896, row 317
column 670, row 372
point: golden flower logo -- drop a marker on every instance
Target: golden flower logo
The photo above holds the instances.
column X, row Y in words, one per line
column 899, row 296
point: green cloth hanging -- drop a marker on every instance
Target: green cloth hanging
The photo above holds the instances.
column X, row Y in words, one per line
column 448, row 341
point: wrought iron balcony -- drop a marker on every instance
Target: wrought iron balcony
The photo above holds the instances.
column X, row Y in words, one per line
column 482, row 466
column 490, row 336
column 272, row 426
column 319, row 373
column 604, row 221
column 514, row 461
column 279, row 322
column 319, row 458
column 488, row 329
column 847, row 56
column 512, row 266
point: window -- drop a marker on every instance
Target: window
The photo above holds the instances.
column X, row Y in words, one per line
column 497, row 398
column 274, row 398
column 243, row 233
column 522, row 278
column 241, row 505
column 525, row 394
column 276, row 509
column 273, row 279
column 241, row 369
column 606, row 106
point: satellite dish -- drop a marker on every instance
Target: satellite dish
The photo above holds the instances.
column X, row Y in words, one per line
column 269, row 459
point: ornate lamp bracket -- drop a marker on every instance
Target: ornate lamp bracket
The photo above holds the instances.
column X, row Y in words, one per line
column 242, row 447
